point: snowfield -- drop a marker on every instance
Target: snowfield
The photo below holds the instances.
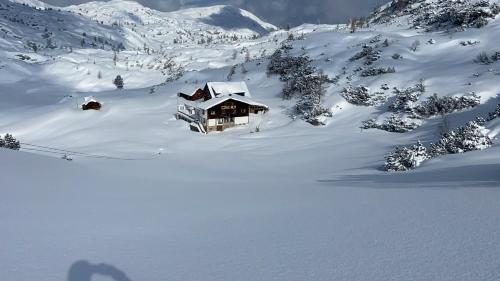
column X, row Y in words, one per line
column 147, row 199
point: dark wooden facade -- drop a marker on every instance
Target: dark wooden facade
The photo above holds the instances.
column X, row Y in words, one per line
column 229, row 108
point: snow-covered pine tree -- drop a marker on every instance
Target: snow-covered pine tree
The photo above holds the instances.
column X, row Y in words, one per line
column 369, row 124
column 396, row 124
column 406, row 158
column 118, row 82
column 374, row 71
column 11, row 142
column 369, row 53
column 495, row 114
column 435, row 105
column 302, row 80
column 405, row 99
column 467, row 138
column 309, row 105
column 393, row 124
column 360, row 95
column 357, row 95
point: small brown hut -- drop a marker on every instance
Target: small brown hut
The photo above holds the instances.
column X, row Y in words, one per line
column 91, row 104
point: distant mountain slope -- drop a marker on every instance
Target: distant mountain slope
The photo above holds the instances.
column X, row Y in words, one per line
column 34, row 26
column 130, row 13
column 438, row 14
column 226, row 17
column 31, row 25
column 33, row 3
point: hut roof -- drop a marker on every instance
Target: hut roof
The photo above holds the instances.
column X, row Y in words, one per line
column 218, row 89
column 87, row 100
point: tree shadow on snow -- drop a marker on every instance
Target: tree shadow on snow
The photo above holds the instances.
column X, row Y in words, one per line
column 83, row 271
column 471, row 176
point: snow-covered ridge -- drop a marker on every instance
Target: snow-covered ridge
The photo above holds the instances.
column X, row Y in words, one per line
column 132, row 13
column 33, row 3
column 225, row 16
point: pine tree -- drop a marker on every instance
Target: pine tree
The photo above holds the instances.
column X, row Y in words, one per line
column 118, row 82
column 393, row 161
column 495, row 114
column 11, row 142
column 406, row 158
column 467, row 138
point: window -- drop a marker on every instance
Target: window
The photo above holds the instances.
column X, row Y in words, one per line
column 212, row 112
column 228, row 106
column 220, row 121
column 243, row 110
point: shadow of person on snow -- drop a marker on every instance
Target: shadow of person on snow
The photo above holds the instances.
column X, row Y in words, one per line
column 83, row 271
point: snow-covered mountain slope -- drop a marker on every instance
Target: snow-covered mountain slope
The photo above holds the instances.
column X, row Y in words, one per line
column 74, row 45
column 216, row 20
column 226, row 17
column 31, row 29
column 436, row 14
column 122, row 24
column 133, row 13
column 33, row 3
column 291, row 201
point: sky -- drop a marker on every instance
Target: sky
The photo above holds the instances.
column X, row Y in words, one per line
column 278, row 12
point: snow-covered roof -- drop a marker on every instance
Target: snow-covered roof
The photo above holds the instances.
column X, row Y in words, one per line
column 193, row 93
column 215, row 101
column 86, row 100
column 218, row 89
